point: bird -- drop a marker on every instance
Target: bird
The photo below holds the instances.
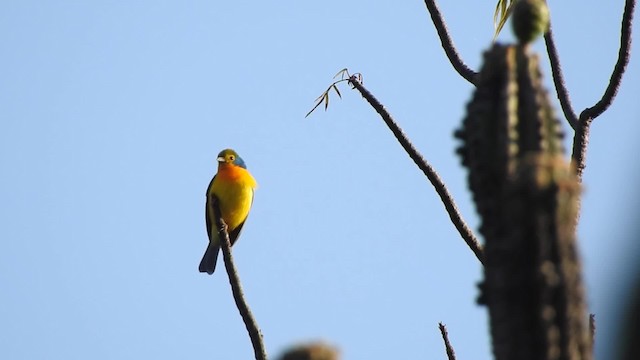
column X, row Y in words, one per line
column 233, row 187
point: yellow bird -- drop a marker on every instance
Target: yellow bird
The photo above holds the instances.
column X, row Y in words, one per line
column 233, row 185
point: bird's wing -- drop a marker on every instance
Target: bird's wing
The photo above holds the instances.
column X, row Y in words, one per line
column 207, row 211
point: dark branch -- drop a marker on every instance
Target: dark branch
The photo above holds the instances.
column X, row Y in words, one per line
column 558, row 80
column 238, row 295
column 580, row 142
column 447, row 43
column 451, row 355
column 592, row 330
column 623, row 59
column 432, row 175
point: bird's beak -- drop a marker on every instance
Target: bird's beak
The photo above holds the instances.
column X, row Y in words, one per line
column 220, row 159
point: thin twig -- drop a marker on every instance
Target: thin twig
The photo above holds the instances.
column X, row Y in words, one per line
column 558, row 80
column 447, row 43
column 236, row 288
column 427, row 169
column 451, row 355
column 592, row 330
column 621, row 65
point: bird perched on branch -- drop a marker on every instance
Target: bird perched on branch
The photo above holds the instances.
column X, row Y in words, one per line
column 233, row 188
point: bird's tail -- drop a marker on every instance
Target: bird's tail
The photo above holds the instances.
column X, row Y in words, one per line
column 208, row 263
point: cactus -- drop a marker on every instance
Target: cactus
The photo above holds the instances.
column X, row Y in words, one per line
column 526, row 194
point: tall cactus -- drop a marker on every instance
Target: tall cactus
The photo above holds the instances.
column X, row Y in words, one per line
column 526, row 194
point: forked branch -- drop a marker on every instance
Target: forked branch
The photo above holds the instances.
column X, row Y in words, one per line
column 582, row 124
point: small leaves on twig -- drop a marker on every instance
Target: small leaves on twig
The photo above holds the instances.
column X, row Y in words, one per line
column 502, row 13
column 324, row 97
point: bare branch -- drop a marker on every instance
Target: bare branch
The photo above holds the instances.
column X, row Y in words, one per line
column 236, row 288
column 580, row 142
column 447, row 43
column 558, row 80
column 427, row 169
column 451, row 355
column 592, row 330
column 623, row 60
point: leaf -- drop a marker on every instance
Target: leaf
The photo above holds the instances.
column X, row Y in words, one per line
column 334, row 87
column 501, row 15
column 315, row 107
column 318, row 101
column 341, row 73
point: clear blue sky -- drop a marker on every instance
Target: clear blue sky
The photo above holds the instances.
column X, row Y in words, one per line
column 112, row 113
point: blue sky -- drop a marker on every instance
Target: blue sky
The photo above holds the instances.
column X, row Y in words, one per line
column 113, row 113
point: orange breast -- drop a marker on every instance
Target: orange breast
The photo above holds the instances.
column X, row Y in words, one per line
column 233, row 186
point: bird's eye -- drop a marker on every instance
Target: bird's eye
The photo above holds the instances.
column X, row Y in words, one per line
column 232, row 158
